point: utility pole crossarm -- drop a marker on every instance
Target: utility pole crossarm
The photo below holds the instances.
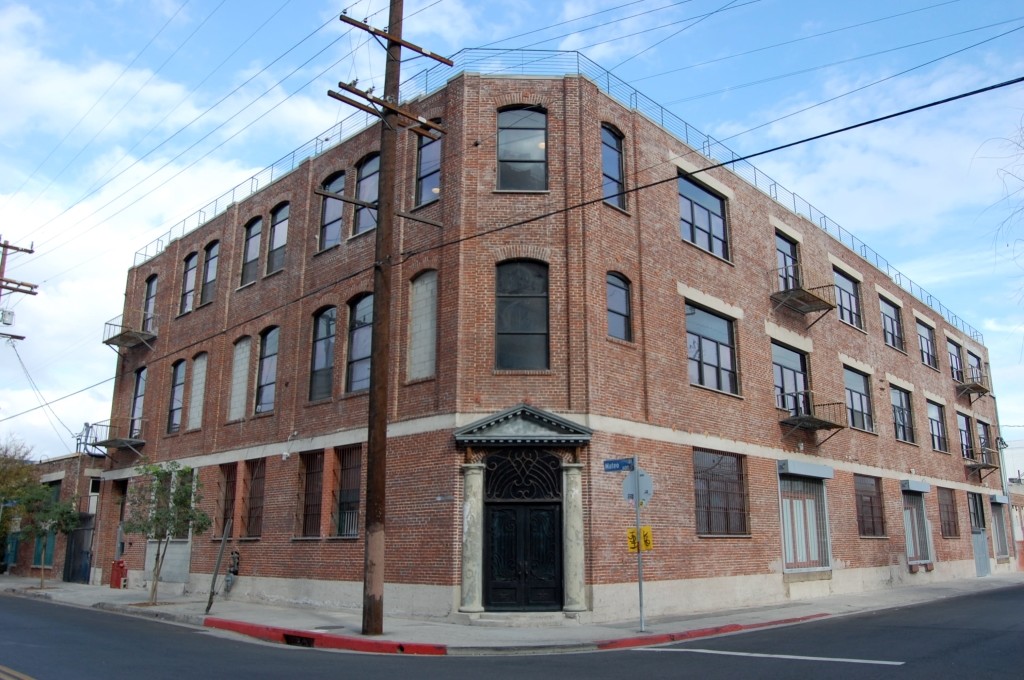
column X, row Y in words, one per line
column 383, row 103
column 397, row 39
column 18, row 286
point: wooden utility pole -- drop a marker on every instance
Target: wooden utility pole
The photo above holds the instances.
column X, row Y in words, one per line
column 380, row 349
column 11, row 285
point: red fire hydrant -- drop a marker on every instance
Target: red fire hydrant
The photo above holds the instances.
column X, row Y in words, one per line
column 118, row 574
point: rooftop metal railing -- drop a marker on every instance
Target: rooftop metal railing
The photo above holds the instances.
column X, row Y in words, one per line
column 544, row 63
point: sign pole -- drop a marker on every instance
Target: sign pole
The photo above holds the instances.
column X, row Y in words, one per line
column 639, row 541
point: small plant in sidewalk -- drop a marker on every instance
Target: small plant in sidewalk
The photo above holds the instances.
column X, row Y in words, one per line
column 162, row 505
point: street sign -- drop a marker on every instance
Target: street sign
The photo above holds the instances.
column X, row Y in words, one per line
column 638, row 482
column 646, row 538
column 618, row 465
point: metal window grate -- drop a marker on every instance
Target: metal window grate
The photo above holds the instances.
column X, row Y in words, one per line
column 720, row 493
column 349, row 460
column 255, row 476
column 228, row 480
column 312, row 492
column 804, row 523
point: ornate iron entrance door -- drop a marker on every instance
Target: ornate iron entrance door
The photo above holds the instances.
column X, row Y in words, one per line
column 523, row 531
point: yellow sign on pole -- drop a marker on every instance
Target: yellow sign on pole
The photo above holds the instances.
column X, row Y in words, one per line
column 646, row 539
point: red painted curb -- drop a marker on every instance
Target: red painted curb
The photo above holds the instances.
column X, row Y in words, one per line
column 306, row 638
column 662, row 638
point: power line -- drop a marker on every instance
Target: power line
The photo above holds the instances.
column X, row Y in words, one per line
column 410, row 254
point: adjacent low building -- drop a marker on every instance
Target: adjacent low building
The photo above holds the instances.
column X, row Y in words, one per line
column 578, row 279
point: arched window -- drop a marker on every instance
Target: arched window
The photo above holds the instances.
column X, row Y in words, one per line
column 209, row 290
column 278, row 238
column 620, row 320
column 266, row 379
column 522, row 149
column 177, row 397
column 149, row 306
column 428, row 169
column 331, row 211
column 138, row 396
column 239, row 379
column 422, row 355
column 367, row 190
column 251, row 250
column 360, row 335
column 321, row 372
column 613, row 184
column 197, row 392
column 188, row 284
column 521, row 315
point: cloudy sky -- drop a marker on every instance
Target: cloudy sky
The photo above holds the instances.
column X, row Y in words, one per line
column 121, row 118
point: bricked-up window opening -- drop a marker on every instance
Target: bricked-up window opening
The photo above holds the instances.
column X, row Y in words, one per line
column 702, row 218
column 266, row 381
column 360, row 338
column 239, row 379
column 937, row 426
column 226, row 497
column 858, row 400
column 790, row 374
column 786, row 262
column 956, row 360
column 963, row 426
column 311, row 483
column 848, row 299
column 368, row 174
column 278, row 238
column 188, row 284
column 620, row 324
column 138, row 397
column 149, row 305
column 177, row 401
column 521, row 316
column 251, row 250
column 870, row 511
column 892, row 324
column 612, row 173
column 422, row 357
column 197, row 392
column 209, row 290
column 902, row 414
column 915, row 525
column 999, row 531
column 976, row 510
column 522, row 149
column 720, row 493
column 331, row 211
column 949, row 522
column 428, row 168
column 711, row 350
column 804, row 523
column 321, row 371
column 347, row 491
column 255, row 474
column 974, row 371
column 926, row 343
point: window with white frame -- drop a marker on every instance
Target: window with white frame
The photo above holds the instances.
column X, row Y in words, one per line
column 1002, row 546
column 915, row 526
column 805, row 535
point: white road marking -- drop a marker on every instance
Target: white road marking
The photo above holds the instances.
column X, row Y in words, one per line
column 774, row 656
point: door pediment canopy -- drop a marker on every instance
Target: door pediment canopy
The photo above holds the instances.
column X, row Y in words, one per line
column 523, row 425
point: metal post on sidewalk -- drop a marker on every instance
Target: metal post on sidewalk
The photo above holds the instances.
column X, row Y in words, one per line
column 639, row 541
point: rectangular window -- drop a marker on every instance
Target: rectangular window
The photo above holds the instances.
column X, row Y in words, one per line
column 188, row 284
column 251, row 251
column 858, row 400
column 892, row 324
column 255, row 475
column 521, row 316
column 804, row 523
column 870, row 513
column 956, row 361
column 975, row 373
column 976, row 509
column 999, row 531
column 702, row 218
column 422, row 355
column 209, row 290
column 368, row 191
column 786, row 261
column 937, row 426
column 138, row 397
column 902, row 414
column 620, row 324
column 226, row 511
column 278, row 238
column 347, row 491
column 790, row 371
column 948, row 519
column 848, row 299
column 711, row 350
column 266, row 378
column 720, row 493
column 984, row 438
column 926, row 342
column 522, row 150
column 963, row 425
column 613, row 185
column 915, row 525
column 177, row 401
column 428, row 169
column 311, row 485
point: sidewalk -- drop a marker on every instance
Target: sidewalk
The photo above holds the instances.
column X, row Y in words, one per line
column 332, row 629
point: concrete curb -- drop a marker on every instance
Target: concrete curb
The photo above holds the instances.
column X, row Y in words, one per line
column 318, row 640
